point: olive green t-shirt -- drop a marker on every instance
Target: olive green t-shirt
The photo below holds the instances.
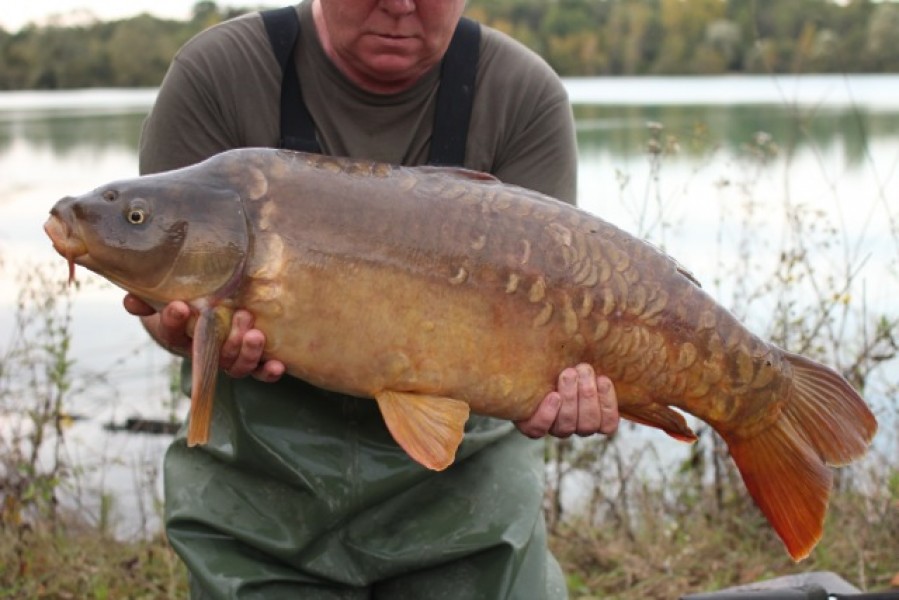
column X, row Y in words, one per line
column 222, row 91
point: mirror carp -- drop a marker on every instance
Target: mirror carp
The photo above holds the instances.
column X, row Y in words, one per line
column 440, row 291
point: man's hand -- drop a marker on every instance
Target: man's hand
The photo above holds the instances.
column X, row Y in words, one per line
column 582, row 403
column 241, row 353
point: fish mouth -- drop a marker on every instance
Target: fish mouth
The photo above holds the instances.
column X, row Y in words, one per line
column 65, row 242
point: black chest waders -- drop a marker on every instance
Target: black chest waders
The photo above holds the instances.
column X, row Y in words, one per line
column 454, row 96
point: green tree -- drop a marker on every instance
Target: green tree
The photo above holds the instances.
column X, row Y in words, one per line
column 883, row 33
column 684, row 28
column 631, row 36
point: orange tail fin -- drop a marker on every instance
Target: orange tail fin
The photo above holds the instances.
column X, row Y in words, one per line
column 824, row 422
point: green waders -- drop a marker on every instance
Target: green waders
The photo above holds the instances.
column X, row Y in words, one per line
column 302, row 493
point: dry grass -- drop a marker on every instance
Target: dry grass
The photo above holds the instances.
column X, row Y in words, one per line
column 703, row 548
column 655, row 556
column 38, row 562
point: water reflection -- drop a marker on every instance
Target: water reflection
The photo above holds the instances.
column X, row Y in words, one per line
column 616, row 129
column 65, row 134
column 620, row 130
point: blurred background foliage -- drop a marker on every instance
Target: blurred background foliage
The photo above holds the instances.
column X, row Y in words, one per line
column 577, row 37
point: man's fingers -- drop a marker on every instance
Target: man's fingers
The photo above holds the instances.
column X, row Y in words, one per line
column 269, row 371
column 241, row 353
column 244, row 347
column 173, row 322
column 566, row 421
column 137, row 307
column 175, row 315
column 608, row 405
column 543, row 418
column 590, row 415
column 231, row 350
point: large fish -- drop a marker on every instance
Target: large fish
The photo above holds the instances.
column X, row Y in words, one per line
column 442, row 291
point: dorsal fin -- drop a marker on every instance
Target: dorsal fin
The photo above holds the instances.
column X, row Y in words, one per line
column 683, row 271
column 459, row 172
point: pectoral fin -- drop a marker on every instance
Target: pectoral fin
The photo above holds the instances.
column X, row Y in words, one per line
column 428, row 428
column 659, row 415
column 209, row 335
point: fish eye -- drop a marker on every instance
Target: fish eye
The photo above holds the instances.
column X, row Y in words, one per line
column 110, row 195
column 137, row 212
column 136, row 216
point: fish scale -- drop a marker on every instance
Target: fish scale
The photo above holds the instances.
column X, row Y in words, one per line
column 439, row 292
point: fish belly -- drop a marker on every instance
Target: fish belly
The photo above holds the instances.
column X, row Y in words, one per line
column 361, row 330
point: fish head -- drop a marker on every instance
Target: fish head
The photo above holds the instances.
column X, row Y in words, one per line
column 172, row 236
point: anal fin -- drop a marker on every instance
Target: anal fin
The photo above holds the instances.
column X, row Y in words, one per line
column 658, row 415
column 428, row 428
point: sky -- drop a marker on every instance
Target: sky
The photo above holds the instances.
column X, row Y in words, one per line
column 18, row 13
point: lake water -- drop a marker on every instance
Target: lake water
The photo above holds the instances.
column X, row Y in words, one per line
column 722, row 172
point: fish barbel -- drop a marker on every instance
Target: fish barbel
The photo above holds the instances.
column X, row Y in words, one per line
column 441, row 291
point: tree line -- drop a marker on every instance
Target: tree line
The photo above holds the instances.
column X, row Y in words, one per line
column 696, row 37
column 577, row 38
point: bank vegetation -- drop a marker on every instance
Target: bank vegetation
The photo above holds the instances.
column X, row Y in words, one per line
column 577, row 37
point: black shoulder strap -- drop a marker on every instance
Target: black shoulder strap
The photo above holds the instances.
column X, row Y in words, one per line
column 297, row 128
column 455, row 95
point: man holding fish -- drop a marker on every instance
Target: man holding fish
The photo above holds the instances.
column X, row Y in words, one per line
column 301, row 492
